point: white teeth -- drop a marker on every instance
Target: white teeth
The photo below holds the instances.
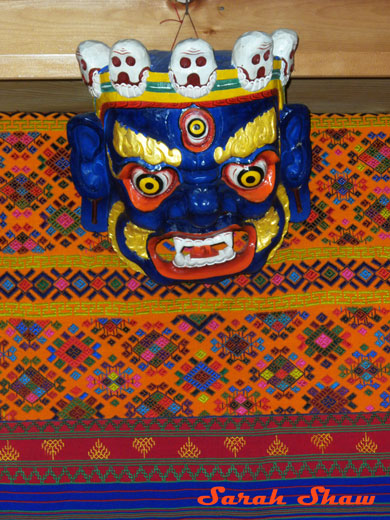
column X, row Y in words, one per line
column 191, row 91
column 223, row 255
column 179, row 260
column 133, row 90
column 229, row 239
column 254, row 84
column 229, row 253
column 178, row 241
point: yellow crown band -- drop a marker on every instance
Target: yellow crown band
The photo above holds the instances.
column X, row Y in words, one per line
column 160, row 93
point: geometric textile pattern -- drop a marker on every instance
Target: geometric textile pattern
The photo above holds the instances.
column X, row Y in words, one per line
column 84, row 337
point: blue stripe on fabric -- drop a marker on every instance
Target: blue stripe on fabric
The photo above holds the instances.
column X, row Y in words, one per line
column 179, row 500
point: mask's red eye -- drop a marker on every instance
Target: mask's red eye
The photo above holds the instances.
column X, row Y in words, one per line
column 147, row 189
column 254, row 181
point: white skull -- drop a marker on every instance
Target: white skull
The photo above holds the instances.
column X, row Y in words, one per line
column 285, row 45
column 129, row 67
column 92, row 56
column 192, row 69
column 253, row 58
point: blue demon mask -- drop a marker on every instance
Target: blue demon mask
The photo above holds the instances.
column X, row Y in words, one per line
column 195, row 177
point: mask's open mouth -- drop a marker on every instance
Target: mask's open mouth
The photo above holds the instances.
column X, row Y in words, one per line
column 187, row 256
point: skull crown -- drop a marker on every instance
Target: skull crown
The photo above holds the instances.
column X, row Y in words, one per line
column 258, row 58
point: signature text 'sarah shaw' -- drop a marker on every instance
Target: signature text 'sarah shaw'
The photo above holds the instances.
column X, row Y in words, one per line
column 319, row 495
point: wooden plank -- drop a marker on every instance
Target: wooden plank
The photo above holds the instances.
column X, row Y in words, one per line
column 350, row 96
column 338, row 38
column 320, row 95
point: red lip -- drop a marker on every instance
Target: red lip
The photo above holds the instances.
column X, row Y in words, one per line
column 244, row 249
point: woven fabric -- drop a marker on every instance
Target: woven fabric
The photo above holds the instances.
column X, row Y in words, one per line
column 108, row 378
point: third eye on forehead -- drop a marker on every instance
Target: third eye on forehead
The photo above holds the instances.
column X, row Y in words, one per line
column 196, row 128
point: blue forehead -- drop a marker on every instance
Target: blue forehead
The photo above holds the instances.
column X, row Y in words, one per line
column 162, row 124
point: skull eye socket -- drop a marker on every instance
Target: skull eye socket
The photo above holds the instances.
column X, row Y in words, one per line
column 256, row 59
column 130, row 61
column 116, row 61
column 266, row 55
column 185, row 63
column 201, row 61
column 83, row 65
column 197, row 129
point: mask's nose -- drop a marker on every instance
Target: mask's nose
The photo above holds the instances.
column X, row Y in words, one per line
column 203, row 206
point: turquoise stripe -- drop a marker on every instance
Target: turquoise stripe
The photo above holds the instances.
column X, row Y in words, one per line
column 226, row 84
column 155, row 86
column 152, row 86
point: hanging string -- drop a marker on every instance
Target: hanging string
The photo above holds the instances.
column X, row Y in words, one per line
column 187, row 13
column 180, row 21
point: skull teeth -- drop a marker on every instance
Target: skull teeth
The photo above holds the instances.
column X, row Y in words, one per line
column 129, row 91
column 252, row 85
column 223, row 255
column 191, row 91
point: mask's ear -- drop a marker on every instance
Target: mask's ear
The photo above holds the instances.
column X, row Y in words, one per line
column 296, row 158
column 90, row 174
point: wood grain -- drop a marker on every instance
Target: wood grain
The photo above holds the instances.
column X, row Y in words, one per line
column 320, row 95
column 338, row 38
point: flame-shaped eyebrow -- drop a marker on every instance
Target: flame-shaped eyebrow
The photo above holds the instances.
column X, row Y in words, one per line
column 245, row 141
column 129, row 144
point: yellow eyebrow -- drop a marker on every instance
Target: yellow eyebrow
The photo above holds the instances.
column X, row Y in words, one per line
column 256, row 134
column 129, row 144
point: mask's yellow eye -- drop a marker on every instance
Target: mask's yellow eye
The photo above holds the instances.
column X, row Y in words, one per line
column 250, row 178
column 149, row 184
column 197, row 127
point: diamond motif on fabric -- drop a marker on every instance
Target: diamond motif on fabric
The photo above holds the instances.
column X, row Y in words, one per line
column 202, row 376
column 31, row 385
column 58, row 162
column 155, row 349
column 281, row 373
column 28, row 332
column 158, row 405
column 379, row 212
column 277, row 321
column 242, row 402
column 324, row 342
column 74, row 352
column 23, row 191
column 115, row 381
column 64, row 220
column 377, row 156
column 77, row 409
column 328, row 400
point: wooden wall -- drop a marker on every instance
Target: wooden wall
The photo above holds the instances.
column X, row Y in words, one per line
column 342, row 63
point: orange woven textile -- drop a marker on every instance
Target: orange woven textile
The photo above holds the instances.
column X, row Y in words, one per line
column 82, row 336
